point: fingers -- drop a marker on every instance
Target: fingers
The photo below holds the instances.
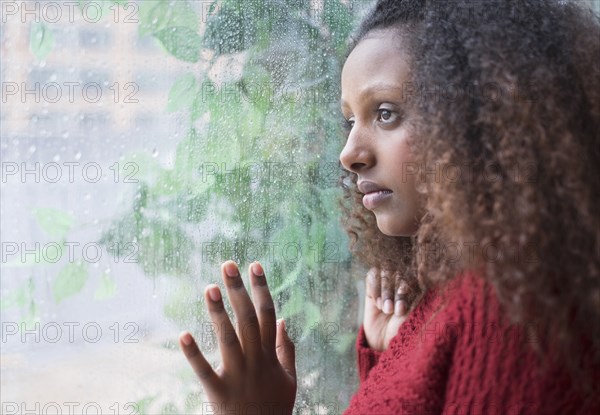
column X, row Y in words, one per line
column 401, row 297
column 286, row 351
column 231, row 351
column 373, row 289
column 203, row 369
column 387, row 292
column 247, row 322
column 263, row 303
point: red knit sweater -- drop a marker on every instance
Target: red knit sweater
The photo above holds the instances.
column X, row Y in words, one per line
column 460, row 356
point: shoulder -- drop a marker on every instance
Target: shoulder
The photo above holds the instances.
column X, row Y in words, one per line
column 470, row 316
column 495, row 361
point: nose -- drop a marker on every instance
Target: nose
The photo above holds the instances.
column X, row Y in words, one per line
column 357, row 154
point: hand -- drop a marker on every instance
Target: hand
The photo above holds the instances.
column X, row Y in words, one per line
column 258, row 370
column 386, row 307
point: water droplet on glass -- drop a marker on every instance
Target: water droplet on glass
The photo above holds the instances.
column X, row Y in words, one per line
column 32, row 149
column 65, row 134
column 155, row 153
column 56, row 158
column 78, row 155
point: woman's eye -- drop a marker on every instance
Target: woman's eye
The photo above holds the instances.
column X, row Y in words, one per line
column 348, row 124
column 386, row 116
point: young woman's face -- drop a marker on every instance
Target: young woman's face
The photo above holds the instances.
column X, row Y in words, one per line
column 377, row 148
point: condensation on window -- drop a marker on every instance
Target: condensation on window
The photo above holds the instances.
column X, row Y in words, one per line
column 144, row 143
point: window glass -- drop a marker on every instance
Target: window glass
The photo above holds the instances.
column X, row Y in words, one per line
column 144, row 143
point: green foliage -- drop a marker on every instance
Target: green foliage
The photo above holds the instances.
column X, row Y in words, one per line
column 56, row 223
column 179, row 307
column 158, row 246
column 183, row 93
column 23, row 299
column 181, row 42
column 107, row 287
column 142, row 406
column 258, row 165
column 70, row 280
column 158, row 15
column 174, row 24
column 41, row 40
column 339, row 20
column 232, row 28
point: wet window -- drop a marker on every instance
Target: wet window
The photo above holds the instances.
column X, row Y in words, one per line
column 144, row 143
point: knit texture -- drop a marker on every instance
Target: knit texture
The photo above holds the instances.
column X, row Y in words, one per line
column 459, row 355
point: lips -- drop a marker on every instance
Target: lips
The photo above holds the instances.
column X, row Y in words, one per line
column 370, row 187
column 374, row 194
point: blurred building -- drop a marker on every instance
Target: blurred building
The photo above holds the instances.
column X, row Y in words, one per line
column 100, row 77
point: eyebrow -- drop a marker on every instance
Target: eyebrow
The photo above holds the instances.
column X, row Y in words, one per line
column 372, row 89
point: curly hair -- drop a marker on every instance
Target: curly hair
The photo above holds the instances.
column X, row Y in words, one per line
column 506, row 96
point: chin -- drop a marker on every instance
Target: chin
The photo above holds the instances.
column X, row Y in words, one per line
column 396, row 228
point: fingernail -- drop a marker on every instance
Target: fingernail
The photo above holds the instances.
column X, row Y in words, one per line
column 403, row 288
column 388, row 306
column 280, row 322
column 378, row 302
column 186, row 338
column 214, row 294
column 257, row 269
column 400, row 308
column 231, row 269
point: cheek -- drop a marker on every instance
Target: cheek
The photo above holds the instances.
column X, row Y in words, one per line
column 404, row 167
column 398, row 145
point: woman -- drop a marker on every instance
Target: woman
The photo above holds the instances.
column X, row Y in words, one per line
column 473, row 159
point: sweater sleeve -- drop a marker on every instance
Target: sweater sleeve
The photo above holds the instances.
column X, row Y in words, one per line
column 366, row 356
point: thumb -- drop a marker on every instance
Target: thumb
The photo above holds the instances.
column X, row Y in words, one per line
column 285, row 349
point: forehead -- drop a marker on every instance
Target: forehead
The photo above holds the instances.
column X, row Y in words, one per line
column 378, row 59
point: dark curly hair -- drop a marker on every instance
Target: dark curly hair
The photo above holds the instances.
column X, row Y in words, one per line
column 506, row 96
